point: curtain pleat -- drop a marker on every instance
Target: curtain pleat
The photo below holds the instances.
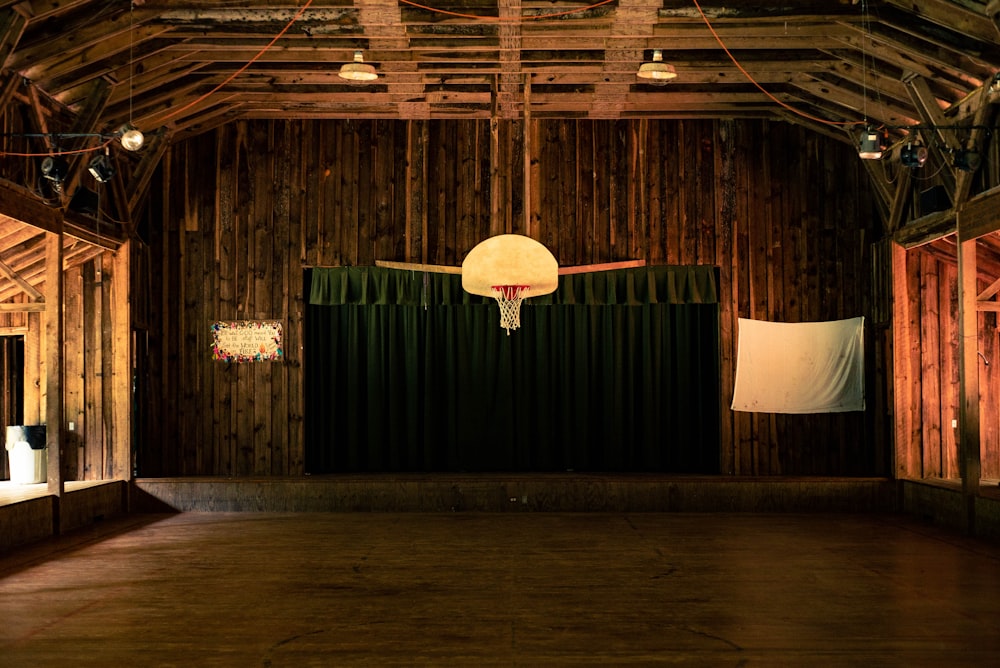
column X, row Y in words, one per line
column 616, row 371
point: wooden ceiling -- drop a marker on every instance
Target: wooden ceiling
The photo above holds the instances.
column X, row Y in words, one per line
column 178, row 68
column 189, row 65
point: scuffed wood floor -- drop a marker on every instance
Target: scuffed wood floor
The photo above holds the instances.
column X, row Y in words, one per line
column 518, row 589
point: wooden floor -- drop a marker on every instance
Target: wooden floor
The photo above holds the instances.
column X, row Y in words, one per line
column 508, row 589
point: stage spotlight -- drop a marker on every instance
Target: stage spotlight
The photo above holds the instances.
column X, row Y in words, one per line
column 101, row 168
column 968, row 160
column 54, row 168
column 913, row 155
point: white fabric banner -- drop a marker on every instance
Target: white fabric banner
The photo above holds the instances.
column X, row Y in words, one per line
column 803, row 367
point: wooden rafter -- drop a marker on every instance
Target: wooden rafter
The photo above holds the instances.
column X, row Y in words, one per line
column 931, row 115
column 957, row 17
column 12, row 26
column 12, row 274
column 993, row 12
column 139, row 182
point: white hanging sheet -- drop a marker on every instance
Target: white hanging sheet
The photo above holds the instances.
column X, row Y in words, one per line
column 803, row 367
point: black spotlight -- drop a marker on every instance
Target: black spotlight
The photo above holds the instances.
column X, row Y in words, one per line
column 101, row 168
column 54, row 168
column 967, row 160
column 913, row 155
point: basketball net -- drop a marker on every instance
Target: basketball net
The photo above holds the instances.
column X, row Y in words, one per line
column 509, row 299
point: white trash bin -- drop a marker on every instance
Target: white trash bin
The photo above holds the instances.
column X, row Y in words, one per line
column 26, row 454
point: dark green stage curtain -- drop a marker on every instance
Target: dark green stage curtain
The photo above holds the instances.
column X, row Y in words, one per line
column 615, row 371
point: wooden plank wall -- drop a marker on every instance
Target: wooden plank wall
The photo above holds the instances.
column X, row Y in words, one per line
column 88, row 449
column 932, row 274
column 237, row 214
column 12, row 370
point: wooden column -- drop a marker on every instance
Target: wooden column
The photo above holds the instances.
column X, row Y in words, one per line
column 33, row 348
column 905, row 371
column 496, row 170
column 54, row 367
column 121, row 366
column 968, row 369
column 531, row 172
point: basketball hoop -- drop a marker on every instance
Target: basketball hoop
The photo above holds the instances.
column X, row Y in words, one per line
column 510, row 268
column 509, row 299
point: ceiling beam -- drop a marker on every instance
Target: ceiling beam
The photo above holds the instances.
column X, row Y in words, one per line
column 18, row 204
column 927, row 229
column 952, row 16
column 993, row 12
column 507, row 97
column 28, row 288
column 384, row 27
column 979, row 216
column 12, row 26
column 138, row 185
column 633, row 17
column 932, row 116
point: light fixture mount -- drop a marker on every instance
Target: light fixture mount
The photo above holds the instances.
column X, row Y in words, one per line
column 358, row 70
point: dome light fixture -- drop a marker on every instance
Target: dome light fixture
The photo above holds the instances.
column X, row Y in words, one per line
column 359, row 70
column 131, row 138
column 657, row 71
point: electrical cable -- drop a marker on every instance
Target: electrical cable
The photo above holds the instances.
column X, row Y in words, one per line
column 740, row 67
column 242, row 69
column 78, row 151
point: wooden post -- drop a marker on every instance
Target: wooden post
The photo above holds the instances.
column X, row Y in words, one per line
column 33, row 369
column 529, row 209
column 54, row 367
column 968, row 371
column 905, row 371
column 121, row 366
column 496, row 169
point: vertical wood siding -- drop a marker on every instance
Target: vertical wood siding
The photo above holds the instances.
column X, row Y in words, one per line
column 89, row 451
column 933, row 278
column 236, row 215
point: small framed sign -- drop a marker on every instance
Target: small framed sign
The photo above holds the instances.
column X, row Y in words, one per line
column 247, row 341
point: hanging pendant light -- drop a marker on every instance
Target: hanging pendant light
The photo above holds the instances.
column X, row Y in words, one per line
column 657, row 71
column 130, row 137
column 359, row 70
